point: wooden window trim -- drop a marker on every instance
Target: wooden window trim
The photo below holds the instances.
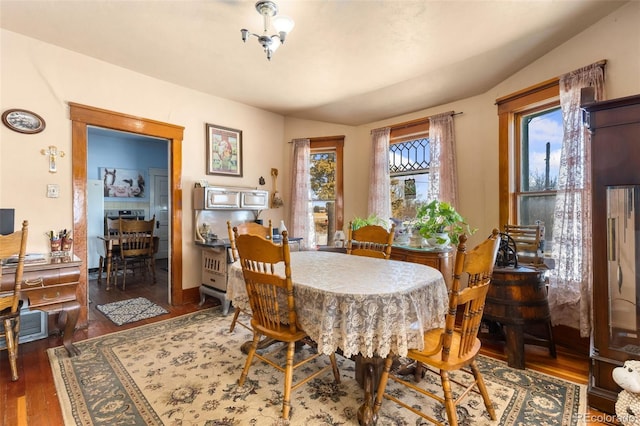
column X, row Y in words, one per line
column 509, row 106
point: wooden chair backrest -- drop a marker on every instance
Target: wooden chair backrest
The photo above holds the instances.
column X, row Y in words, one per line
column 246, row 228
column 11, row 245
column 370, row 241
column 477, row 267
column 112, row 226
column 528, row 240
column 266, row 288
column 136, row 237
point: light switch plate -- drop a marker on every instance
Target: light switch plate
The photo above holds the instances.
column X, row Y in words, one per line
column 53, row 191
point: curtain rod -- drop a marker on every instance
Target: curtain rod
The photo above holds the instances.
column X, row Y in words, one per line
column 416, row 122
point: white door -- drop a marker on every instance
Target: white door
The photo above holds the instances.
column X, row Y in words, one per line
column 160, row 207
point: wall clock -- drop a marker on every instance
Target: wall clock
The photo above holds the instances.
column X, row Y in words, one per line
column 23, row 121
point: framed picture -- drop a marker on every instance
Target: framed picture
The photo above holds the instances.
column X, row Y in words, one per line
column 23, row 121
column 124, row 184
column 224, row 151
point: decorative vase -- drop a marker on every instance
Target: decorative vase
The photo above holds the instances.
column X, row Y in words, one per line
column 439, row 240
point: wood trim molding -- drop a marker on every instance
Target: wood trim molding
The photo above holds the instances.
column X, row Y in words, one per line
column 82, row 116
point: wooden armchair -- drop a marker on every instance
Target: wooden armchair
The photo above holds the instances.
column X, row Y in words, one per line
column 10, row 303
column 370, row 241
column 135, row 238
column 453, row 348
column 260, row 258
column 244, row 228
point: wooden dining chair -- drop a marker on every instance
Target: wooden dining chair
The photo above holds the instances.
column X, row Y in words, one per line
column 452, row 347
column 244, row 228
column 111, row 229
column 273, row 310
column 370, row 241
column 135, row 238
column 14, row 244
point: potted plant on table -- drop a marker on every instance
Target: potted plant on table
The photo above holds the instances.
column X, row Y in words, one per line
column 441, row 224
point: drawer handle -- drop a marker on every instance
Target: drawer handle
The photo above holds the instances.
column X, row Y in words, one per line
column 51, row 298
column 31, row 283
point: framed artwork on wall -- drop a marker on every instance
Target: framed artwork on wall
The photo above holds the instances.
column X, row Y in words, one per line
column 224, row 151
column 124, row 184
column 23, row 121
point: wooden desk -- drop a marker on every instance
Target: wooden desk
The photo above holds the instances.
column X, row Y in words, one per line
column 51, row 287
column 343, row 303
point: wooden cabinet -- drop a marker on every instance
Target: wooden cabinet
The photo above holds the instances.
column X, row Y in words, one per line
column 51, row 287
column 442, row 260
column 615, row 151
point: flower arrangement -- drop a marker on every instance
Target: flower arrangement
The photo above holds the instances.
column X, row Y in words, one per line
column 437, row 218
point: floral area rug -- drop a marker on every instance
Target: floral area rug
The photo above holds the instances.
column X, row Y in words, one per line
column 131, row 310
column 184, row 371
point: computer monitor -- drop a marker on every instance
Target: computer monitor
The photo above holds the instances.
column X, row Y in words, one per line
column 7, row 217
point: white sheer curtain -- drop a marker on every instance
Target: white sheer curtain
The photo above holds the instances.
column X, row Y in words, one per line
column 443, row 174
column 301, row 214
column 570, row 283
column 379, row 182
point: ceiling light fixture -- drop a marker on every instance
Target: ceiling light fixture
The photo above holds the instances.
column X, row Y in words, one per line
column 282, row 24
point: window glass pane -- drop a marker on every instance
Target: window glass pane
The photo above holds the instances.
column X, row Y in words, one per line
column 541, row 144
column 323, row 194
column 407, row 193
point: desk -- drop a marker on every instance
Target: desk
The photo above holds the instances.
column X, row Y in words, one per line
column 361, row 305
column 51, row 287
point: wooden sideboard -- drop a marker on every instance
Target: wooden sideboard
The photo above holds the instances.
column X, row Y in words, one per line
column 51, row 287
column 441, row 259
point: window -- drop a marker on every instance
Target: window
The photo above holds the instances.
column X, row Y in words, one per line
column 326, row 187
column 530, row 143
column 409, row 160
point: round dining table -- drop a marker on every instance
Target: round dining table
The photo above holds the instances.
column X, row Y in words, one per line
column 365, row 307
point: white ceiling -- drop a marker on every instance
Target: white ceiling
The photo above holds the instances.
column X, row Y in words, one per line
column 349, row 62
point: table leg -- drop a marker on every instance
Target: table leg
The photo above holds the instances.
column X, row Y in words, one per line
column 67, row 320
column 515, row 346
column 109, row 255
column 368, row 371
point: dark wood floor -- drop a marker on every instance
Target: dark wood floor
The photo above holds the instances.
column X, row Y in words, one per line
column 32, row 400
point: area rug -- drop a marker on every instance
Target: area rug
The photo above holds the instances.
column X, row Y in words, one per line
column 131, row 310
column 185, row 370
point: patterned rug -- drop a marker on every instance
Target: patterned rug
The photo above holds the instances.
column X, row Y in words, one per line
column 131, row 310
column 183, row 371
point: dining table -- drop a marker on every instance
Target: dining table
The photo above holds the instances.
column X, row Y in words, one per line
column 110, row 242
column 363, row 307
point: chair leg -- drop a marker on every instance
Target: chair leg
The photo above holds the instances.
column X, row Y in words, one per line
column 334, row 367
column 100, row 265
column 152, row 265
column 124, row 274
column 12, row 345
column 449, row 402
column 288, row 380
column 382, row 385
column 483, row 390
column 247, row 364
column 234, row 320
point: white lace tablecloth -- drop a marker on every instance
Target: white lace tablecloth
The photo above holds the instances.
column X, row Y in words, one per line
column 359, row 304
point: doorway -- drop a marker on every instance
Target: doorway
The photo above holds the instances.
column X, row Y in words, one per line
column 83, row 116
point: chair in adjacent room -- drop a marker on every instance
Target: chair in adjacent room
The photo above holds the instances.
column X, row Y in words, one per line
column 135, row 238
column 370, row 240
column 244, row 228
column 452, row 347
column 273, row 310
column 13, row 247
column 111, row 229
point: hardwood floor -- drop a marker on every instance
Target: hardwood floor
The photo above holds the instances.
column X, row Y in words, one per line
column 32, row 400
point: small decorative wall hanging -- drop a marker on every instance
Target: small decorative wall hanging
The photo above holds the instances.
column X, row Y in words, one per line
column 53, row 154
column 23, row 121
column 224, row 151
column 410, row 189
column 276, row 201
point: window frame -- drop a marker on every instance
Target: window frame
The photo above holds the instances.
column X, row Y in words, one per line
column 510, row 109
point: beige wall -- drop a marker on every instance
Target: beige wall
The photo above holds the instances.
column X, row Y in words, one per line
column 43, row 78
column 615, row 38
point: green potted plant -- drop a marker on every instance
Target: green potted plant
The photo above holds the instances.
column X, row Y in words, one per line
column 359, row 222
column 440, row 223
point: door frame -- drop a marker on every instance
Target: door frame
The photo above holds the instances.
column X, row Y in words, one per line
column 82, row 116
